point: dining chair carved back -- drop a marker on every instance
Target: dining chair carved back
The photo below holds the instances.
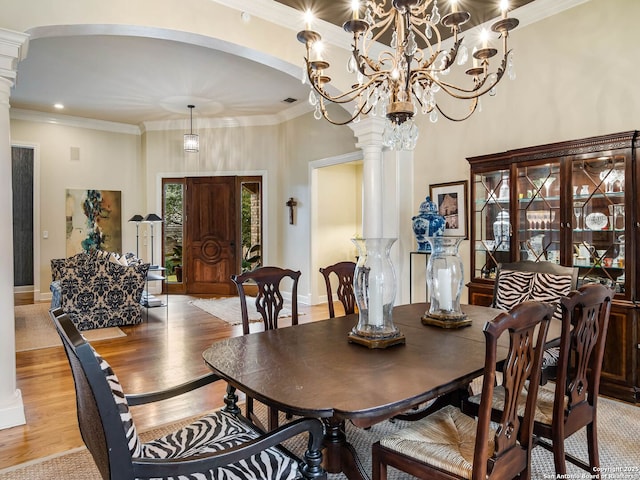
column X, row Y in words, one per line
column 217, row 446
column 451, row 445
column 269, row 303
column 269, row 300
column 539, row 281
column 570, row 403
column 344, row 272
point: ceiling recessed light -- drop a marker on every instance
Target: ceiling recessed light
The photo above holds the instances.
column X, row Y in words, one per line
column 58, row 106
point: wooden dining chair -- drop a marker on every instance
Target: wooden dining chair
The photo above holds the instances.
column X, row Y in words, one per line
column 269, row 303
column 570, row 403
column 219, row 445
column 343, row 271
column 539, row 281
column 269, row 300
column 451, row 445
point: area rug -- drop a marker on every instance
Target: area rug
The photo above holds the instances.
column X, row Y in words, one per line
column 34, row 329
column 228, row 309
column 618, row 430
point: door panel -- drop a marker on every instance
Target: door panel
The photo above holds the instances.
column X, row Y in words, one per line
column 210, row 248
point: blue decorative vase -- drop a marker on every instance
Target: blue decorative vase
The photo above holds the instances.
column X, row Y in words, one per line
column 428, row 223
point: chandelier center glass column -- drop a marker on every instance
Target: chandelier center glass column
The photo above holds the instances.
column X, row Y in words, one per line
column 409, row 74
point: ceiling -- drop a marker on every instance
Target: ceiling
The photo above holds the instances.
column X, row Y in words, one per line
column 337, row 12
column 134, row 79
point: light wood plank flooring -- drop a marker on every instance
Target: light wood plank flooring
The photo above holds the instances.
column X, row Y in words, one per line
column 161, row 352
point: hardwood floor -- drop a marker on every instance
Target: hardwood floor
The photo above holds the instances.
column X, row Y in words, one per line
column 161, row 352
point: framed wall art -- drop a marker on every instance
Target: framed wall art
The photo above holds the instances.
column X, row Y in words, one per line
column 451, row 199
column 93, row 220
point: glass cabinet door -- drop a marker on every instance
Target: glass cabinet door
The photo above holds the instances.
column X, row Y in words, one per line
column 492, row 233
column 598, row 223
column 538, row 212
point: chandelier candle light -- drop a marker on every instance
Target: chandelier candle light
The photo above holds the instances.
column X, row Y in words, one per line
column 407, row 75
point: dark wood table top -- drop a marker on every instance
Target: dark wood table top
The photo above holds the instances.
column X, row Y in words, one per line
column 312, row 370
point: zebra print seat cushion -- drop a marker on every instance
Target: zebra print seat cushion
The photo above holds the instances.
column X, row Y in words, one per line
column 220, row 431
column 214, row 432
column 550, row 288
column 513, row 288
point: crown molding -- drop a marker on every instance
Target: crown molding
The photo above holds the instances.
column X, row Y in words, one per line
column 13, row 48
column 69, row 121
column 92, row 124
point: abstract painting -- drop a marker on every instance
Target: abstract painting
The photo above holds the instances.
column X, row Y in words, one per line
column 94, row 221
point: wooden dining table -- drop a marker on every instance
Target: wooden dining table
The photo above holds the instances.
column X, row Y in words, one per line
column 311, row 370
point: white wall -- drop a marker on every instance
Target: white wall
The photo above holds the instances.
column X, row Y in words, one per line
column 305, row 140
column 108, row 161
column 577, row 77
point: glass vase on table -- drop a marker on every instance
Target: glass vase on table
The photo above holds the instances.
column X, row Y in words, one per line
column 445, row 278
column 374, row 286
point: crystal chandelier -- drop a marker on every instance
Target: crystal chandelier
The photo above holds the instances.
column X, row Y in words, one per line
column 191, row 140
column 412, row 74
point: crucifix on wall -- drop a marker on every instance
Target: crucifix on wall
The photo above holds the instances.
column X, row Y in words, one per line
column 291, row 203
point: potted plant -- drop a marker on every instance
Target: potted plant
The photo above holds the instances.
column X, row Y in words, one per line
column 173, row 262
column 252, row 258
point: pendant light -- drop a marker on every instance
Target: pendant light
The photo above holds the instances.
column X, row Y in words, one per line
column 191, row 140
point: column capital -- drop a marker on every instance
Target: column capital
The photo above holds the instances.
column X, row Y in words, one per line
column 369, row 132
column 13, row 48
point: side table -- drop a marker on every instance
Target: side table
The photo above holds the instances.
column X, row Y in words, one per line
column 155, row 274
column 426, row 260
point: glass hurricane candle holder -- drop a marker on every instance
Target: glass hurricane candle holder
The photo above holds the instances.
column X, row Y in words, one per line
column 445, row 278
column 374, row 285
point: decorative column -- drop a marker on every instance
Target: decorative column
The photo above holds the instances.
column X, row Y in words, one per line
column 13, row 47
column 387, row 196
column 369, row 132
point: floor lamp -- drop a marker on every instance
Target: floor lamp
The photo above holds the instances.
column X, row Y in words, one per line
column 137, row 218
column 151, row 219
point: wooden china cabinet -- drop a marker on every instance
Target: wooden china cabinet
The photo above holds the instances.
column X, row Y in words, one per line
column 575, row 203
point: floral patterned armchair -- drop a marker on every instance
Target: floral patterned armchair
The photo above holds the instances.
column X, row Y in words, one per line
column 99, row 289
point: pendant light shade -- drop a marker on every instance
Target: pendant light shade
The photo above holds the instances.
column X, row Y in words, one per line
column 191, row 140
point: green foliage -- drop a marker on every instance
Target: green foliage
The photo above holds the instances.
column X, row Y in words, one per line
column 173, row 198
column 173, row 259
column 252, row 258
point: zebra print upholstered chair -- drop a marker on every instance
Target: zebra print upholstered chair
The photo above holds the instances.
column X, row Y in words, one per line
column 220, row 445
column 538, row 281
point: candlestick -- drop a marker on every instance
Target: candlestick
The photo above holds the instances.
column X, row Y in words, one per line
column 308, row 18
column 355, row 6
column 454, row 6
column 504, row 6
column 484, row 35
column 318, row 47
column 444, row 289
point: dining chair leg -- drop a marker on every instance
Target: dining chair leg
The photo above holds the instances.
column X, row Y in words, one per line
column 559, row 459
column 378, row 468
column 272, row 422
column 592, row 447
